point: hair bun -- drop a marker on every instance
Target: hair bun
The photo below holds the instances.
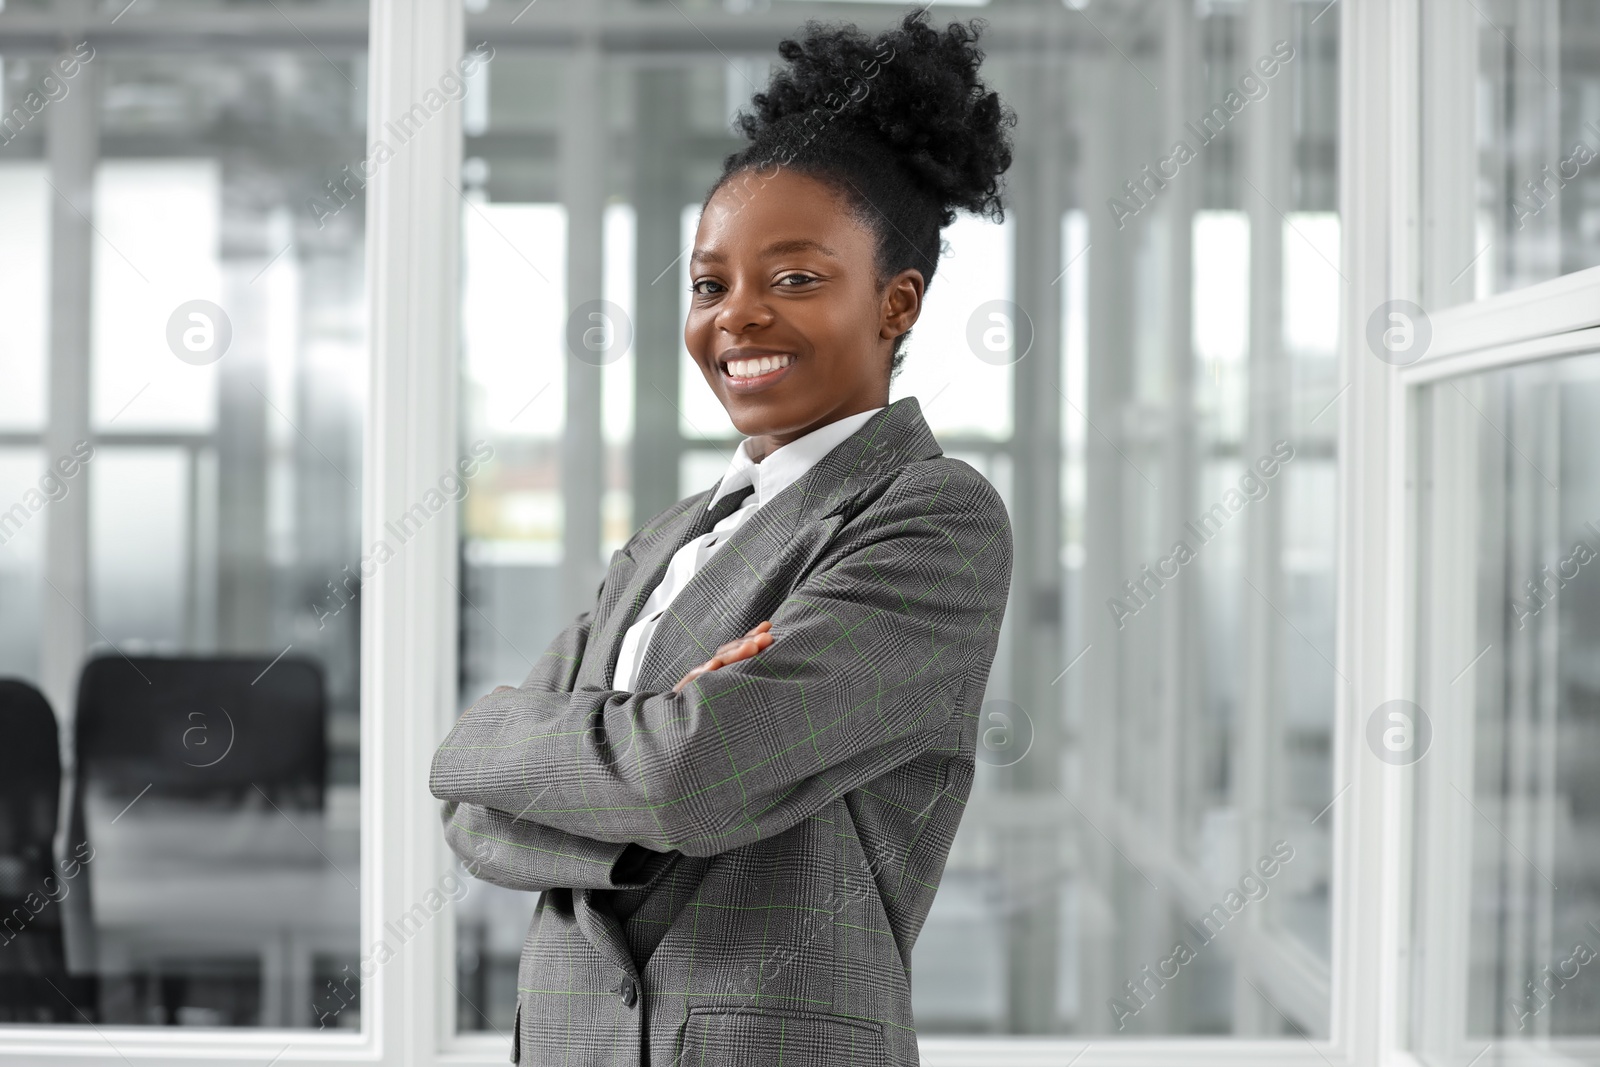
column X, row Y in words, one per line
column 914, row 88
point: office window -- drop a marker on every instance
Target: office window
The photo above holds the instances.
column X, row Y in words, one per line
column 180, row 516
column 1176, row 335
column 1537, row 128
column 1494, row 741
column 1502, row 730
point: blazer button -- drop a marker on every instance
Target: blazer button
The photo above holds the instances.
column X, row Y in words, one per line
column 630, row 992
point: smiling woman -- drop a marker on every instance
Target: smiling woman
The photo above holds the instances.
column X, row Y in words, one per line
column 793, row 332
column 816, row 246
column 737, row 778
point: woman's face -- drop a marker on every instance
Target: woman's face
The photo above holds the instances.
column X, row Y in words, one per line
column 784, row 285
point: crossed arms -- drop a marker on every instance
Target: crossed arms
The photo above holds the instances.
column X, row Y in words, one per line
column 871, row 656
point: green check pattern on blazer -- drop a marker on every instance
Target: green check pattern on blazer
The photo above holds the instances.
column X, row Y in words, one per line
column 737, row 873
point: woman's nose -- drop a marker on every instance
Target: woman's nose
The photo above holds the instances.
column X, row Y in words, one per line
column 745, row 308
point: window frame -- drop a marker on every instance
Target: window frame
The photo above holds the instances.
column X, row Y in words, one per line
column 1544, row 322
column 1555, row 319
column 1550, row 320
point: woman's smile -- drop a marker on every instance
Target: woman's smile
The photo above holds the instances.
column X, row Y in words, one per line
column 751, row 370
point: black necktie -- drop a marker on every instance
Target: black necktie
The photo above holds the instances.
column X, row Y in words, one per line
column 709, row 517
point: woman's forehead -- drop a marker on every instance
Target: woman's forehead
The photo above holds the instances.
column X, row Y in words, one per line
column 777, row 215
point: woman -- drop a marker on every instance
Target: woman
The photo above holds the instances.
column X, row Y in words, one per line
column 736, row 779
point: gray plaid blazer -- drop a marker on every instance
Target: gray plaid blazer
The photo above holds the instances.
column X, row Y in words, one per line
column 737, row 873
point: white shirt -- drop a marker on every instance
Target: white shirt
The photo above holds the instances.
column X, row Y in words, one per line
column 771, row 475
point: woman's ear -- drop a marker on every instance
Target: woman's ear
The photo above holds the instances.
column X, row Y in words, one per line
column 902, row 303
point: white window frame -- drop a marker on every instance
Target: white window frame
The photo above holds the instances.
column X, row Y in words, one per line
column 409, row 629
column 1550, row 321
column 1555, row 319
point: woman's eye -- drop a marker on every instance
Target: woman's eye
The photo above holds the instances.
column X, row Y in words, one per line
column 803, row 278
column 695, row 288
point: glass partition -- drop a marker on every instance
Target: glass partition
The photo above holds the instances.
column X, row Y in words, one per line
column 1502, row 739
column 1157, row 767
column 184, row 367
column 1533, row 114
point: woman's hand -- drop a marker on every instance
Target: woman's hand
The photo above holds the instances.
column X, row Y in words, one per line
column 733, row 651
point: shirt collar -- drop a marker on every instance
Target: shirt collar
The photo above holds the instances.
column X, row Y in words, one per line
column 783, row 466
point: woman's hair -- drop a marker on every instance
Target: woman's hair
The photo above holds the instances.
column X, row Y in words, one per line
column 899, row 124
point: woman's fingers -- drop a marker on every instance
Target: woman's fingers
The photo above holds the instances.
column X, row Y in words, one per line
column 744, row 648
column 755, row 639
column 755, row 631
column 740, row 648
column 691, row 676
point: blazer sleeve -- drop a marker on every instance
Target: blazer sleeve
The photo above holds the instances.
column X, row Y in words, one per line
column 519, row 854
column 870, row 657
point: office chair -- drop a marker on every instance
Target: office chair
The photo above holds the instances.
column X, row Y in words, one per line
column 34, row 984
column 216, row 732
column 202, row 728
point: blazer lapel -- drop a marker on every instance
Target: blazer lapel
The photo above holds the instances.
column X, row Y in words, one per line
column 772, row 548
column 803, row 515
column 629, row 581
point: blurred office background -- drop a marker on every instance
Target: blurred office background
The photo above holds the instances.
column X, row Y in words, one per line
column 1138, row 363
column 1156, row 346
column 217, row 511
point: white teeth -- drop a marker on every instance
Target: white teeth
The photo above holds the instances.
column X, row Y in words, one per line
column 750, row 368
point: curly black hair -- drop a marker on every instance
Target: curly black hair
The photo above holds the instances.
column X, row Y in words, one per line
column 899, row 124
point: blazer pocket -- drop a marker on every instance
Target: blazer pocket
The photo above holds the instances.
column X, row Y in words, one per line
column 737, row 1037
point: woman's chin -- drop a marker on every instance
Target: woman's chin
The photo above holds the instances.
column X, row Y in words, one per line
column 755, row 416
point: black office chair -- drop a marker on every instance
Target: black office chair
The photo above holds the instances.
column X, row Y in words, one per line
column 34, row 984
column 203, row 728
column 212, row 731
